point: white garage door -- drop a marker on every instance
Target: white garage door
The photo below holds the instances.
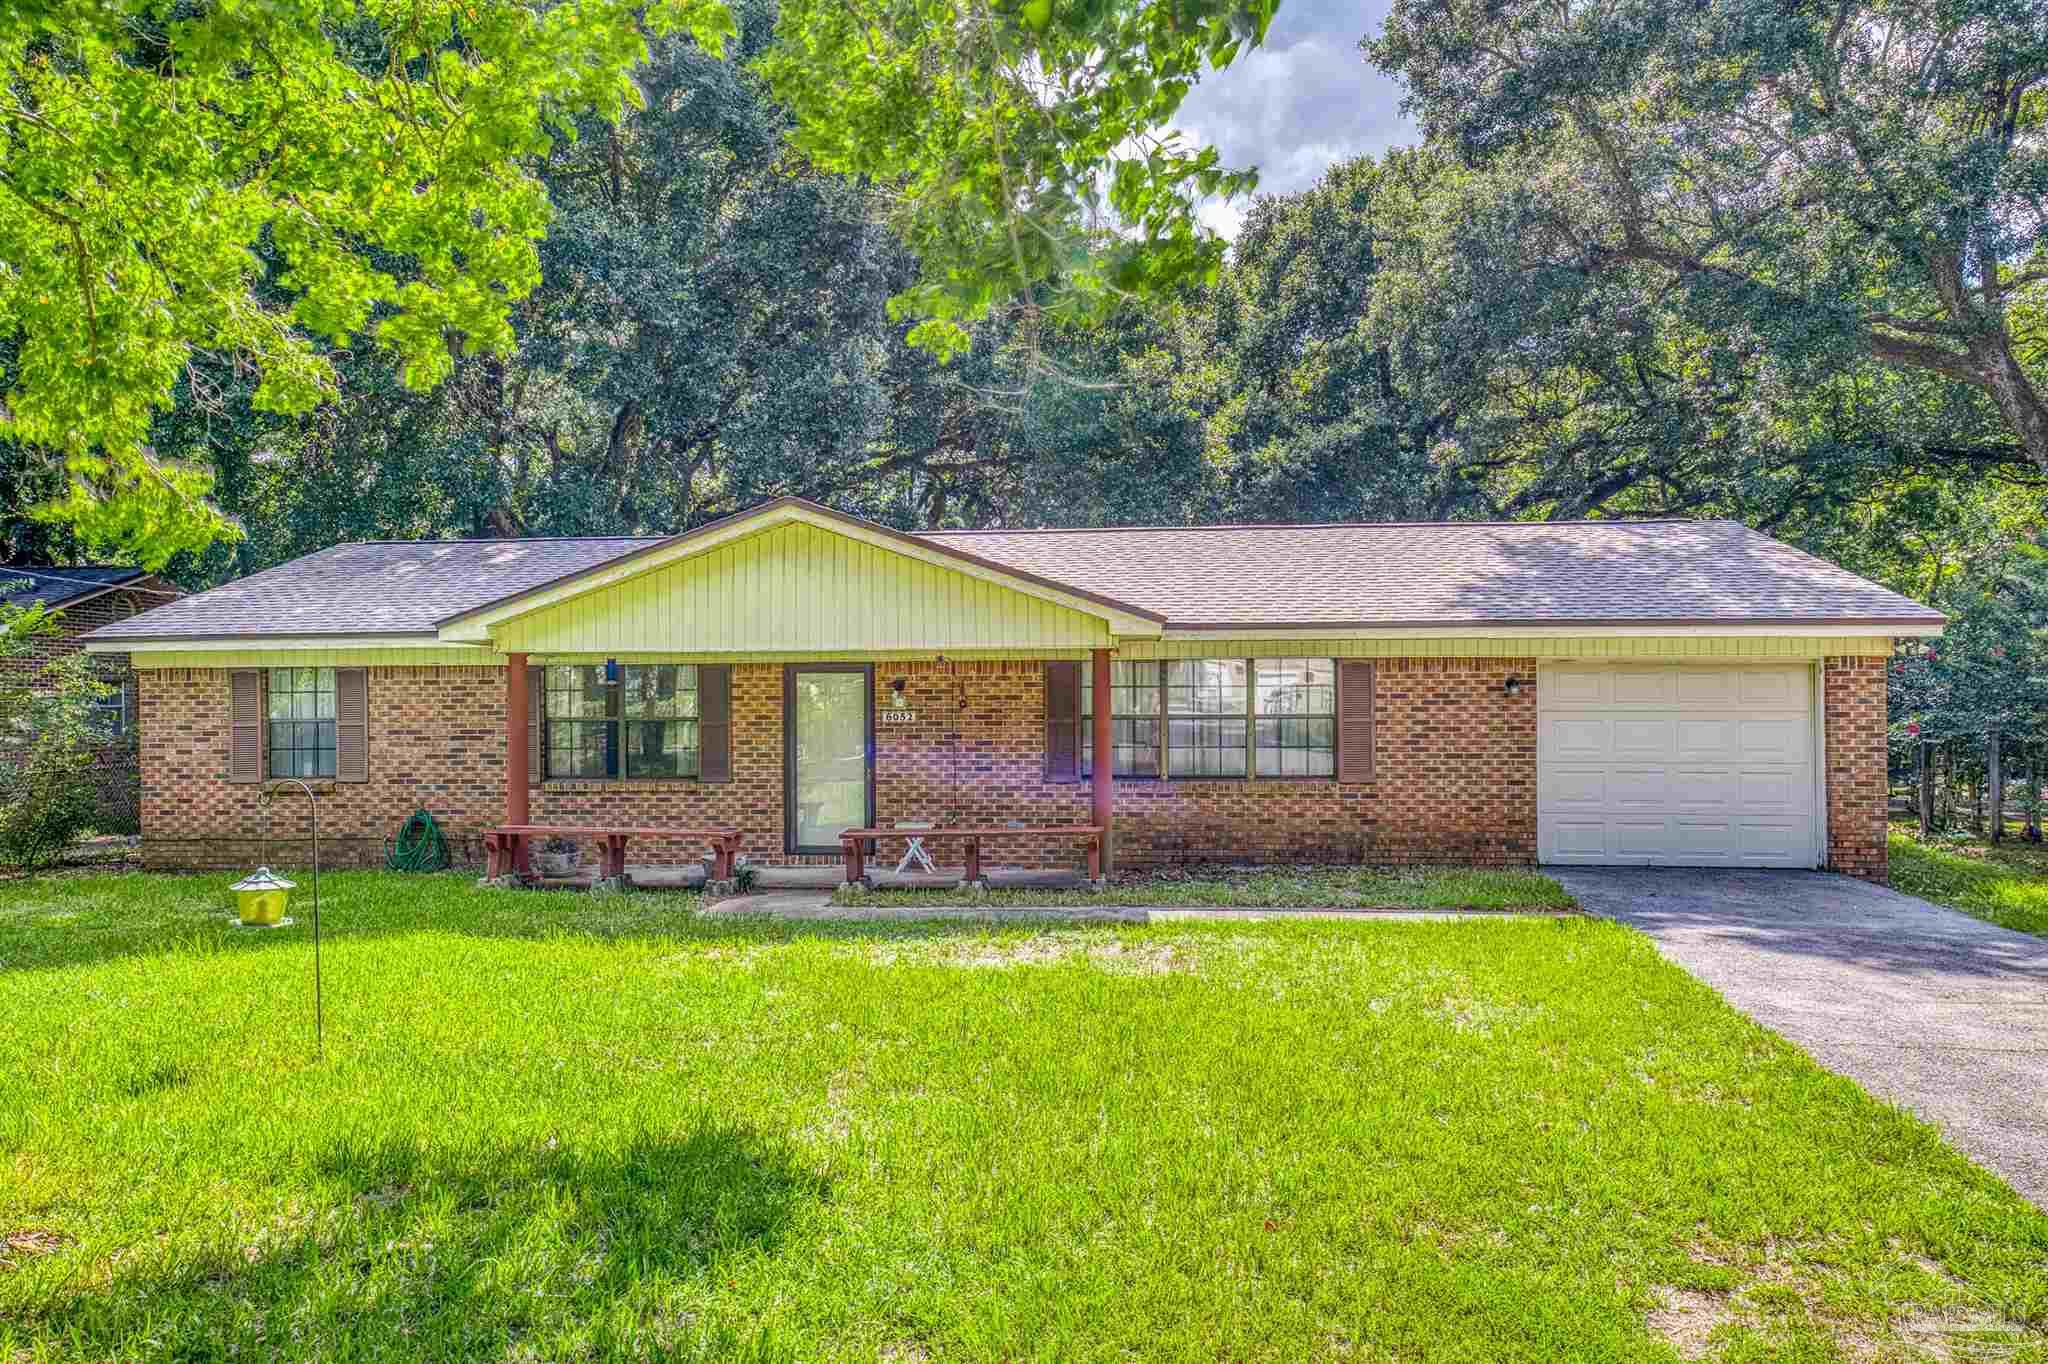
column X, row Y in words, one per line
column 1676, row 766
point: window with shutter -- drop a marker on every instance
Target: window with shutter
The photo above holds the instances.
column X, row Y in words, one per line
column 1063, row 721
column 245, row 725
column 352, row 724
column 1354, row 721
column 714, row 722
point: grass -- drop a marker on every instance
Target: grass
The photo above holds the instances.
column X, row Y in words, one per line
column 1297, row 888
column 554, row 1127
column 2006, row 883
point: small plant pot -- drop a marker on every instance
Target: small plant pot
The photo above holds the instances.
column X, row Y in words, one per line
column 555, row 864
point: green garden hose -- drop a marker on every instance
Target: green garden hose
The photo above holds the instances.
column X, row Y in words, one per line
column 419, row 846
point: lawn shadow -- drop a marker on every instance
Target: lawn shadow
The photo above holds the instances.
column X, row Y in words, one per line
column 401, row 1250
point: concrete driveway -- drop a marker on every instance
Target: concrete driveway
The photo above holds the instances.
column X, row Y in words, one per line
column 1923, row 1006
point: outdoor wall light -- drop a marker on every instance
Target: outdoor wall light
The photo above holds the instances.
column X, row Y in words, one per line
column 896, row 693
column 1514, row 687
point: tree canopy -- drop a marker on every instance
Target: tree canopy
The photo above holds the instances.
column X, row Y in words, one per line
column 1817, row 185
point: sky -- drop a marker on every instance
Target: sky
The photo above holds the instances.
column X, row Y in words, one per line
column 1298, row 104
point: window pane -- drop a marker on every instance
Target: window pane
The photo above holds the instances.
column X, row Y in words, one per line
column 1297, row 726
column 649, row 691
column 1205, row 686
column 1134, row 711
column 577, row 692
column 661, row 748
column 576, row 748
column 1205, row 748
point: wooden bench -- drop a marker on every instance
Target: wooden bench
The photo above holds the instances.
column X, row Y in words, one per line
column 852, row 842
column 505, row 845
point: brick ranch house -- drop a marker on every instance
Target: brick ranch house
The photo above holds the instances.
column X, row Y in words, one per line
column 83, row 598
column 1651, row 692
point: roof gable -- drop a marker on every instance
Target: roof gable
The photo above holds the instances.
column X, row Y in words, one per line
column 799, row 589
column 483, row 623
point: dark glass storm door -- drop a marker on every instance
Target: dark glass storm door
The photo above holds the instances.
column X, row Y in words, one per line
column 828, row 753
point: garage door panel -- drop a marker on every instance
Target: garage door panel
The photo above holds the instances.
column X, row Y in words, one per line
column 1577, row 840
column 1699, row 790
column 1771, row 689
column 1577, row 738
column 1580, row 686
column 1677, row 766
column 1645, row 687
column 1566, row 788
column 1708, row 738
column 1774, row 790
column 1637, row 737
column 1772, row 842
column 1780, row 739
column 1637, row 838
column 1638, row 788
column 1713, row 687
column 1696, row 842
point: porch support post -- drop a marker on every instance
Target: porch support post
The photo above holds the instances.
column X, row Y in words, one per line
column 516, row 774
column 1102, row 811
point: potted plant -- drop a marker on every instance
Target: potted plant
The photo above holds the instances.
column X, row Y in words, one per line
column 556, row 857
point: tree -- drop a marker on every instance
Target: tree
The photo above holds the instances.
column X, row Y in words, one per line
column 262, row 182
column 1022, row 142
column 1826, row 184
column 47, row 797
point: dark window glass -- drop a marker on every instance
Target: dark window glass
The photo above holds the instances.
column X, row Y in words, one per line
column 642, row 725
column 1134, row 719
column 301, row 718
column 579, row 724
column 1296, row 734
column 658, row 707
column 1205, row 709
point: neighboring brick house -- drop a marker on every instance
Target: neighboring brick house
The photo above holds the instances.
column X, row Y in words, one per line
column 1659, row 692
column 85, row 598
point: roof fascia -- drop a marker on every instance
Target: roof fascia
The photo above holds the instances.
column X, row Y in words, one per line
column 1833, row 629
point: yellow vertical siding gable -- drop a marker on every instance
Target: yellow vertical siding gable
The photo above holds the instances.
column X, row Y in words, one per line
column 800, row 589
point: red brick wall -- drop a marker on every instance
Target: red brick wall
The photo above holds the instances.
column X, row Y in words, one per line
column 1853, row 695
column 436, row 740
column 1454, row 781
column 1455, row 778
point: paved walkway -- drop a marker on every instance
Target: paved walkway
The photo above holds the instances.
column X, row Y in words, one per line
column 811, row 904
column 1923, row 1006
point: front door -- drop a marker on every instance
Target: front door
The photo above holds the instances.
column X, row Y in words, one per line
column 828, row 753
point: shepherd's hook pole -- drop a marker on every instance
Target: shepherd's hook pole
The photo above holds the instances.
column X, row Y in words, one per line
column 313, row 808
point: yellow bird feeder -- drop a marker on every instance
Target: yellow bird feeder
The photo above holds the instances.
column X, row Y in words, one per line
column 261, row 898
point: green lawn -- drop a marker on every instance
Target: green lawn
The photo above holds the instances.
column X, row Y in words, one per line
column 2007, row 884
column 1298, row 888
column 556, row 1127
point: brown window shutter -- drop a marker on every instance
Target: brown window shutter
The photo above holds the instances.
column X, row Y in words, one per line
column 714, row 722
column 536, row 706
column 1354, row 721
column 1063, row 721
column 245, row 724
column 351, row 724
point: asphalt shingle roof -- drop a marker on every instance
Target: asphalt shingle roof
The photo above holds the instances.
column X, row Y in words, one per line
column 377, row 588
column 1450, row 573
column 54, row 586
column 1217, row 577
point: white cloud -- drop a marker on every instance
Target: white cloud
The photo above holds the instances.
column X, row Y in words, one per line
column 1305, row 100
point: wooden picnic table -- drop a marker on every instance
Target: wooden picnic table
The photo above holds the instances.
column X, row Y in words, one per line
column 852, row 842
column 505, row 845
